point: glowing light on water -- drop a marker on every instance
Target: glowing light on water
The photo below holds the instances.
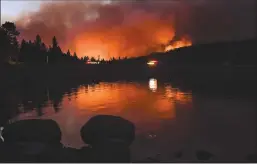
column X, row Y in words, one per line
column 153, row 85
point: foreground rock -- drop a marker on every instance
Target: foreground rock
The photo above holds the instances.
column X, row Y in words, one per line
column 35, row 140
column 32, row 141
column 109, row 137
column 33, row 130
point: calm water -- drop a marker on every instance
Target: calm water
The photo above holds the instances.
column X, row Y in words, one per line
column 167, row 119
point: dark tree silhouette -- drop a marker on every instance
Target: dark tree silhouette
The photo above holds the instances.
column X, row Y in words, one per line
column 68, row 53
column 102, row 61
column 9, row 35
column 35, row 52
column 39, row 54
column 93, row 59
column 38, row 41
column 55, row 52
column 12, row 32
column 43, row 47
column 23, row 51
column 32, row 52
column 54, row 42
column 75, row 57
column 86, row 58
column 44, row 52
column 4, row 45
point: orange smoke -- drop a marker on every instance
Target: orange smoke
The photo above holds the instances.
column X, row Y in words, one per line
column 101, row 30
column 132, row 28
column 123, row 40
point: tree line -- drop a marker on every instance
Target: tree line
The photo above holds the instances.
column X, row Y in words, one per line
column 36, row 51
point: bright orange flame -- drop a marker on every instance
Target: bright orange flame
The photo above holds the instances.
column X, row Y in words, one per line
column 124, row 41
column 132, row 38
column 184, row 42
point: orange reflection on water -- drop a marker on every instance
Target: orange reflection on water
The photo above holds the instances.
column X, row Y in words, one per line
column 175, row 94
column 107, row 97
column 137, row 102
column 131, row 101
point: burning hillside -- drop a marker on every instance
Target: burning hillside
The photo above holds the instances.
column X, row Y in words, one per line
column 106, row 30
column 118, row 28
column 183, row 42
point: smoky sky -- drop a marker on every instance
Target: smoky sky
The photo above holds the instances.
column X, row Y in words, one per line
column 204, row 21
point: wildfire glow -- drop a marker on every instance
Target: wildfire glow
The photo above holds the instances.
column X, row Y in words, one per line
column 96, row 30
column 125, row 40
column 178, row 44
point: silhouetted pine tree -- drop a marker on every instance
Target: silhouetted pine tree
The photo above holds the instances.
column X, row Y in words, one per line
column 9, row 35
column 38, row 50
column 4, row 45
column 68, row 53
column 44, row 52
column 102, row 61
column 23, row 56
column 55, row 52
column 86, row 58
column 75, row 57
column 93, row 59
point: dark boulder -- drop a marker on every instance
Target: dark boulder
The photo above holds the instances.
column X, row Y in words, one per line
column 105, row 128
column 109, row 137
column 32, row 152
column 33, row 130
column 32, row 141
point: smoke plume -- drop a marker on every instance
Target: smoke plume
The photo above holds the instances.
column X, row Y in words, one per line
column 136, row 27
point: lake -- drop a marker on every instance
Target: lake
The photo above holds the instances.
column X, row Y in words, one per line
column 167, row 118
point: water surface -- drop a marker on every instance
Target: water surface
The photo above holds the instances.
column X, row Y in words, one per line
column 167, row 118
